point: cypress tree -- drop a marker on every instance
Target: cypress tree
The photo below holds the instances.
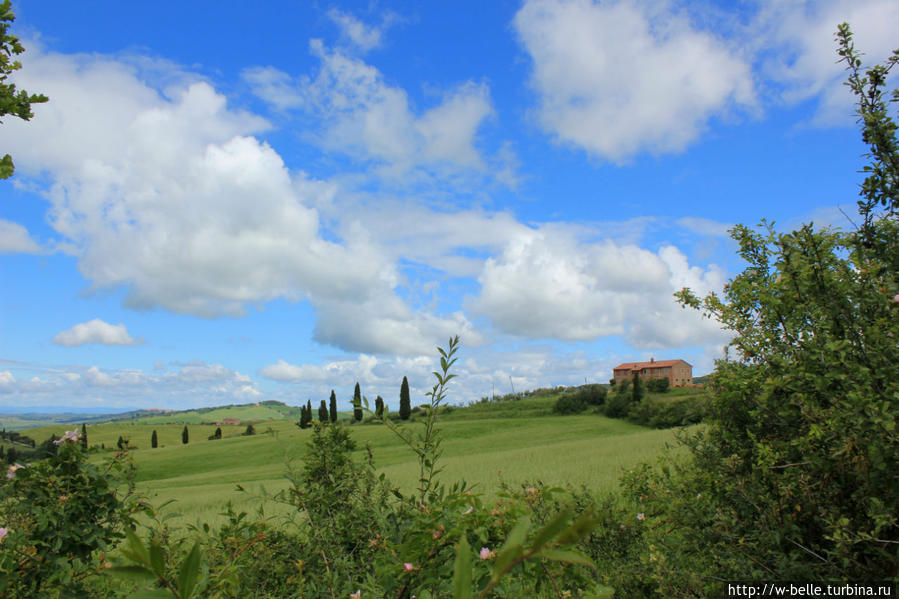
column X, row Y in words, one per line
column 323, row 415
column 11, row 455
column 83, row 436
column 2, row 452
column 637, row 389
column 218, row 433
column 379, row 407
column 333, row 407
column 120, row 443
column 405, row 402
column 154, row 441
column 305, row 417
column 357, row 404
column 184, row 436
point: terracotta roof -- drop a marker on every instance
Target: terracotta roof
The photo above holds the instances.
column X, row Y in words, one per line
column 642, row 365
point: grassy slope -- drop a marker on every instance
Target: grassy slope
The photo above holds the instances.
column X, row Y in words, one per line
column 516, row 440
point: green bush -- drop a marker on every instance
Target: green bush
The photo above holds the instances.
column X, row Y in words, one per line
column 657, row 385
column 570, row 404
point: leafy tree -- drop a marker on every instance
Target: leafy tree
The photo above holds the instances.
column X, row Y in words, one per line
column 83, row 436
column 638, row 389
column 218, row 433
column 795, row 475
column 658, row 385
column 12, row 455
column 305, row 416
column 251, row 430
column 323, row 415
column 154, row 440
column 333, row 406
column 405, row 402
column 185, row 437
column 379, row 406
column 357, row 404
column 15, row 102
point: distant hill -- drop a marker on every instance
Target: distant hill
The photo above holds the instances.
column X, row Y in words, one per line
column 264, row 410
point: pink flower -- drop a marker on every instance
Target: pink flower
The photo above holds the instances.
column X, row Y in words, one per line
column 11, row 472
column 486, row 553
column 409, row 567
column 3, row 532
column 896, row 298
column 69, row 436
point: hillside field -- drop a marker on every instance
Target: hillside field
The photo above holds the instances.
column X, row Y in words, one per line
column 516, row 441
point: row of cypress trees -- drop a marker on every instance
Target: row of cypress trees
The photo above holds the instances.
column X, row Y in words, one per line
column 328, row 413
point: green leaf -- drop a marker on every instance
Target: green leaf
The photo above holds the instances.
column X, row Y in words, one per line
column 135, row 550
column 462, row 570
column 567, row 556
column 554, row 527
column 157, row 559
column 132, row 573
column 188, row 576
column 153, row 594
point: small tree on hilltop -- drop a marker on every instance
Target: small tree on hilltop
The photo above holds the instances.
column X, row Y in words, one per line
column 154, row 440
column 323, row 415
column 405, row 402
column 357, row 404
column 332, row 411
column 185, row 437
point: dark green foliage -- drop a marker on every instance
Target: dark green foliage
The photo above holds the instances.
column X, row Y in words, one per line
column 332, row 407
column 185, row 437
column 570, row 404
column 251, row 430
column 83, row 436
column 154, row 440
column 405, row 401
column 638, row 389
column 120, row 443
column 357, row 404
column 305, row 417
column 323, row 415
column 795, row 475
column 619, row 402
column 15, row 102
column 2, row 452
column 60, row 513
column 12, row 455
column 667, row 413
column 379, row 406
column 658, row 385
column 218, row 433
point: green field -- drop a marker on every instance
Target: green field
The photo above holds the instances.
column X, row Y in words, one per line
column 515, row 441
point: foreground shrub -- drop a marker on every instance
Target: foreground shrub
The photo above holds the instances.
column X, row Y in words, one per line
column 57, row 517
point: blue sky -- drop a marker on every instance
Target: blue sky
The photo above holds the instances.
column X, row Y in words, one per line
column 224, row 203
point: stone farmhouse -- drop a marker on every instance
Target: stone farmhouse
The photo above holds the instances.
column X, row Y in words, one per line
column 678, row 372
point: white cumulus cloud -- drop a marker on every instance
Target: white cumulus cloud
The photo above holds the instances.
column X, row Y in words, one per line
column 95, row 331
column 617, row 78
column 15, row 239
column 548, row 284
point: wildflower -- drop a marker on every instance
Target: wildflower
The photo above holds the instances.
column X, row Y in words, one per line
column 486, row 553
column 373, row 543
column 11, row 471
column 896, row 298
column 3, row 532
column 469, row 510
column 68, row 436
column 63, row 498
column 356, row 595
column 699, row 496
column 437, row 534
column 641, row 516
column 409, row 567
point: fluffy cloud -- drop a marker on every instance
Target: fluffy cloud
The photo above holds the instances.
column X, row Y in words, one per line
column 547, row 284
column 191, row 384
column 795, row 44
column 95, row 331
column 363, row 36
column 355, row 112
column 620, row 78
column 14, row 238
